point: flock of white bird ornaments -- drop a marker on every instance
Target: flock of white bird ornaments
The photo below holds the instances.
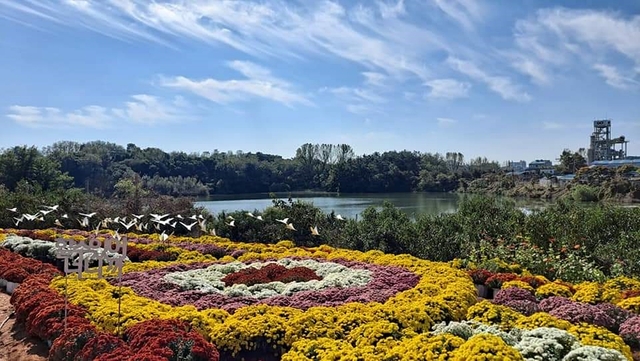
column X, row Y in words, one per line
column 158, row 221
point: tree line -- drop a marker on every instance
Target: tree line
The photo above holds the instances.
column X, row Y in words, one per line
column 106, row 169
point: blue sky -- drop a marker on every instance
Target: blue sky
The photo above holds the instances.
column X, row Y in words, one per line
column 501, row 79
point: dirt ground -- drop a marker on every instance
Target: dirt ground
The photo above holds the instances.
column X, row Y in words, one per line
column 15, row 345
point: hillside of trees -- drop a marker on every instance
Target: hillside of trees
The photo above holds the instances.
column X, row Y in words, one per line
column 108, row 170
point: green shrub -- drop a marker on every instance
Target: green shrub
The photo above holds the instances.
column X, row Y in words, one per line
column 585, row 193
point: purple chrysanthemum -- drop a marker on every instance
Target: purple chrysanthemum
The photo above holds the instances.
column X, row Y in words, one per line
column 553, row 302
column 526, row 307
column 577, row 312
column 512, row 294
column 618, row 315
column 630, row 331
column 386, row 281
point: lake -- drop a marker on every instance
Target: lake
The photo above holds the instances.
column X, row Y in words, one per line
column 349, row 205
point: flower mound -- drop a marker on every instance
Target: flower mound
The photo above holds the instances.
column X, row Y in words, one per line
column 486, row 347
column 272, row 272
column 583, row 312
column 216, row 285
column 630, row 331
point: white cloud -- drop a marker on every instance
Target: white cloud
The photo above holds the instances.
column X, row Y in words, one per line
column 141, row 108
column 388, row 10
column 260, row 83
column 613, row 77
column 361, row 101
column 465, row 12
column 533, row 69
column 362, row 109
column 499, row 84
column 448, row 88
column 358, row 94
column 31, row 10
column 445, row 122
column 276, row 28
column 559, row 39
column 374, row 79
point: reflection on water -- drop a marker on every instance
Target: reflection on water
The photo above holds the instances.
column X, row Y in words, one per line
column 349, row 205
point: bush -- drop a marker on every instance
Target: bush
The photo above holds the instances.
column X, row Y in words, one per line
column 585, row 193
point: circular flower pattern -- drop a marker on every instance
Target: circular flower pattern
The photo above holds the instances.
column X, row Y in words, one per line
column 354, row 317
column 203, row 284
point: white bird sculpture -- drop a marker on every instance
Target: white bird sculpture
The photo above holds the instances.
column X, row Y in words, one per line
column 189, row 226
column 31, row 217
column 159, row 217
column 53, row 208
column 87, row 215
column 44, row 213
column 283, row 221
column 162, row 222
column 232, row 223
column 314, row 231
column 290, row 226
column 57, row 223
column 339, row 217
column 128, row 225
column 14, row 209
column 84, row 222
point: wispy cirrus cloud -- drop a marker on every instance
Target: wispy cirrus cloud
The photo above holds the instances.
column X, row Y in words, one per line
column 447, row 88
column 258, row 83
column 362, row 101
column 276, row 28
column 464, row 12
column 382, row 37
column 613, row 77
column 141, row 108
column 499, row 84
column 395, row 51
column 558, row 39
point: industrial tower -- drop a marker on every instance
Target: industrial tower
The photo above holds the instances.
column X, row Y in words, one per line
column 602, row 147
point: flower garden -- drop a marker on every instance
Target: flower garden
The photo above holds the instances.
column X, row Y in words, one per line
column 209, row 298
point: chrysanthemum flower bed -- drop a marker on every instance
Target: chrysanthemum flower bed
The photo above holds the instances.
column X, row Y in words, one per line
column 216, row 299
column 613, row 305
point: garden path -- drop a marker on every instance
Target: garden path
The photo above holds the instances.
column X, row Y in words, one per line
column 15, row 344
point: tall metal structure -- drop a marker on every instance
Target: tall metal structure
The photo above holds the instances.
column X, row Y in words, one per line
column 602, row 146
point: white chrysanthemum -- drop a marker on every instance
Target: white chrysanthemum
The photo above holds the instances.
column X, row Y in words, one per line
column 209, row 280
column 594, row 353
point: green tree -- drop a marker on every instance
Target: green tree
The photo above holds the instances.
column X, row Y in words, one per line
column 570, row 162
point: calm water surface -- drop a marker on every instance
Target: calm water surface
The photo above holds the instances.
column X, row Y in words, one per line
column 348, row 205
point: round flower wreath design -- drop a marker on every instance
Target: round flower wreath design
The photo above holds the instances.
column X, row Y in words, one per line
column 202, row 285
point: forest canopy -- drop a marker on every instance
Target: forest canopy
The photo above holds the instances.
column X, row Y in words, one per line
column 98, row 167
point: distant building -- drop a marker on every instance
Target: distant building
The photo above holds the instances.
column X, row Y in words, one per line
column 541, row 164
column 513, row 166
column 519, row 166
column 602, row 146
column 616, row 163
column 564, row 179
